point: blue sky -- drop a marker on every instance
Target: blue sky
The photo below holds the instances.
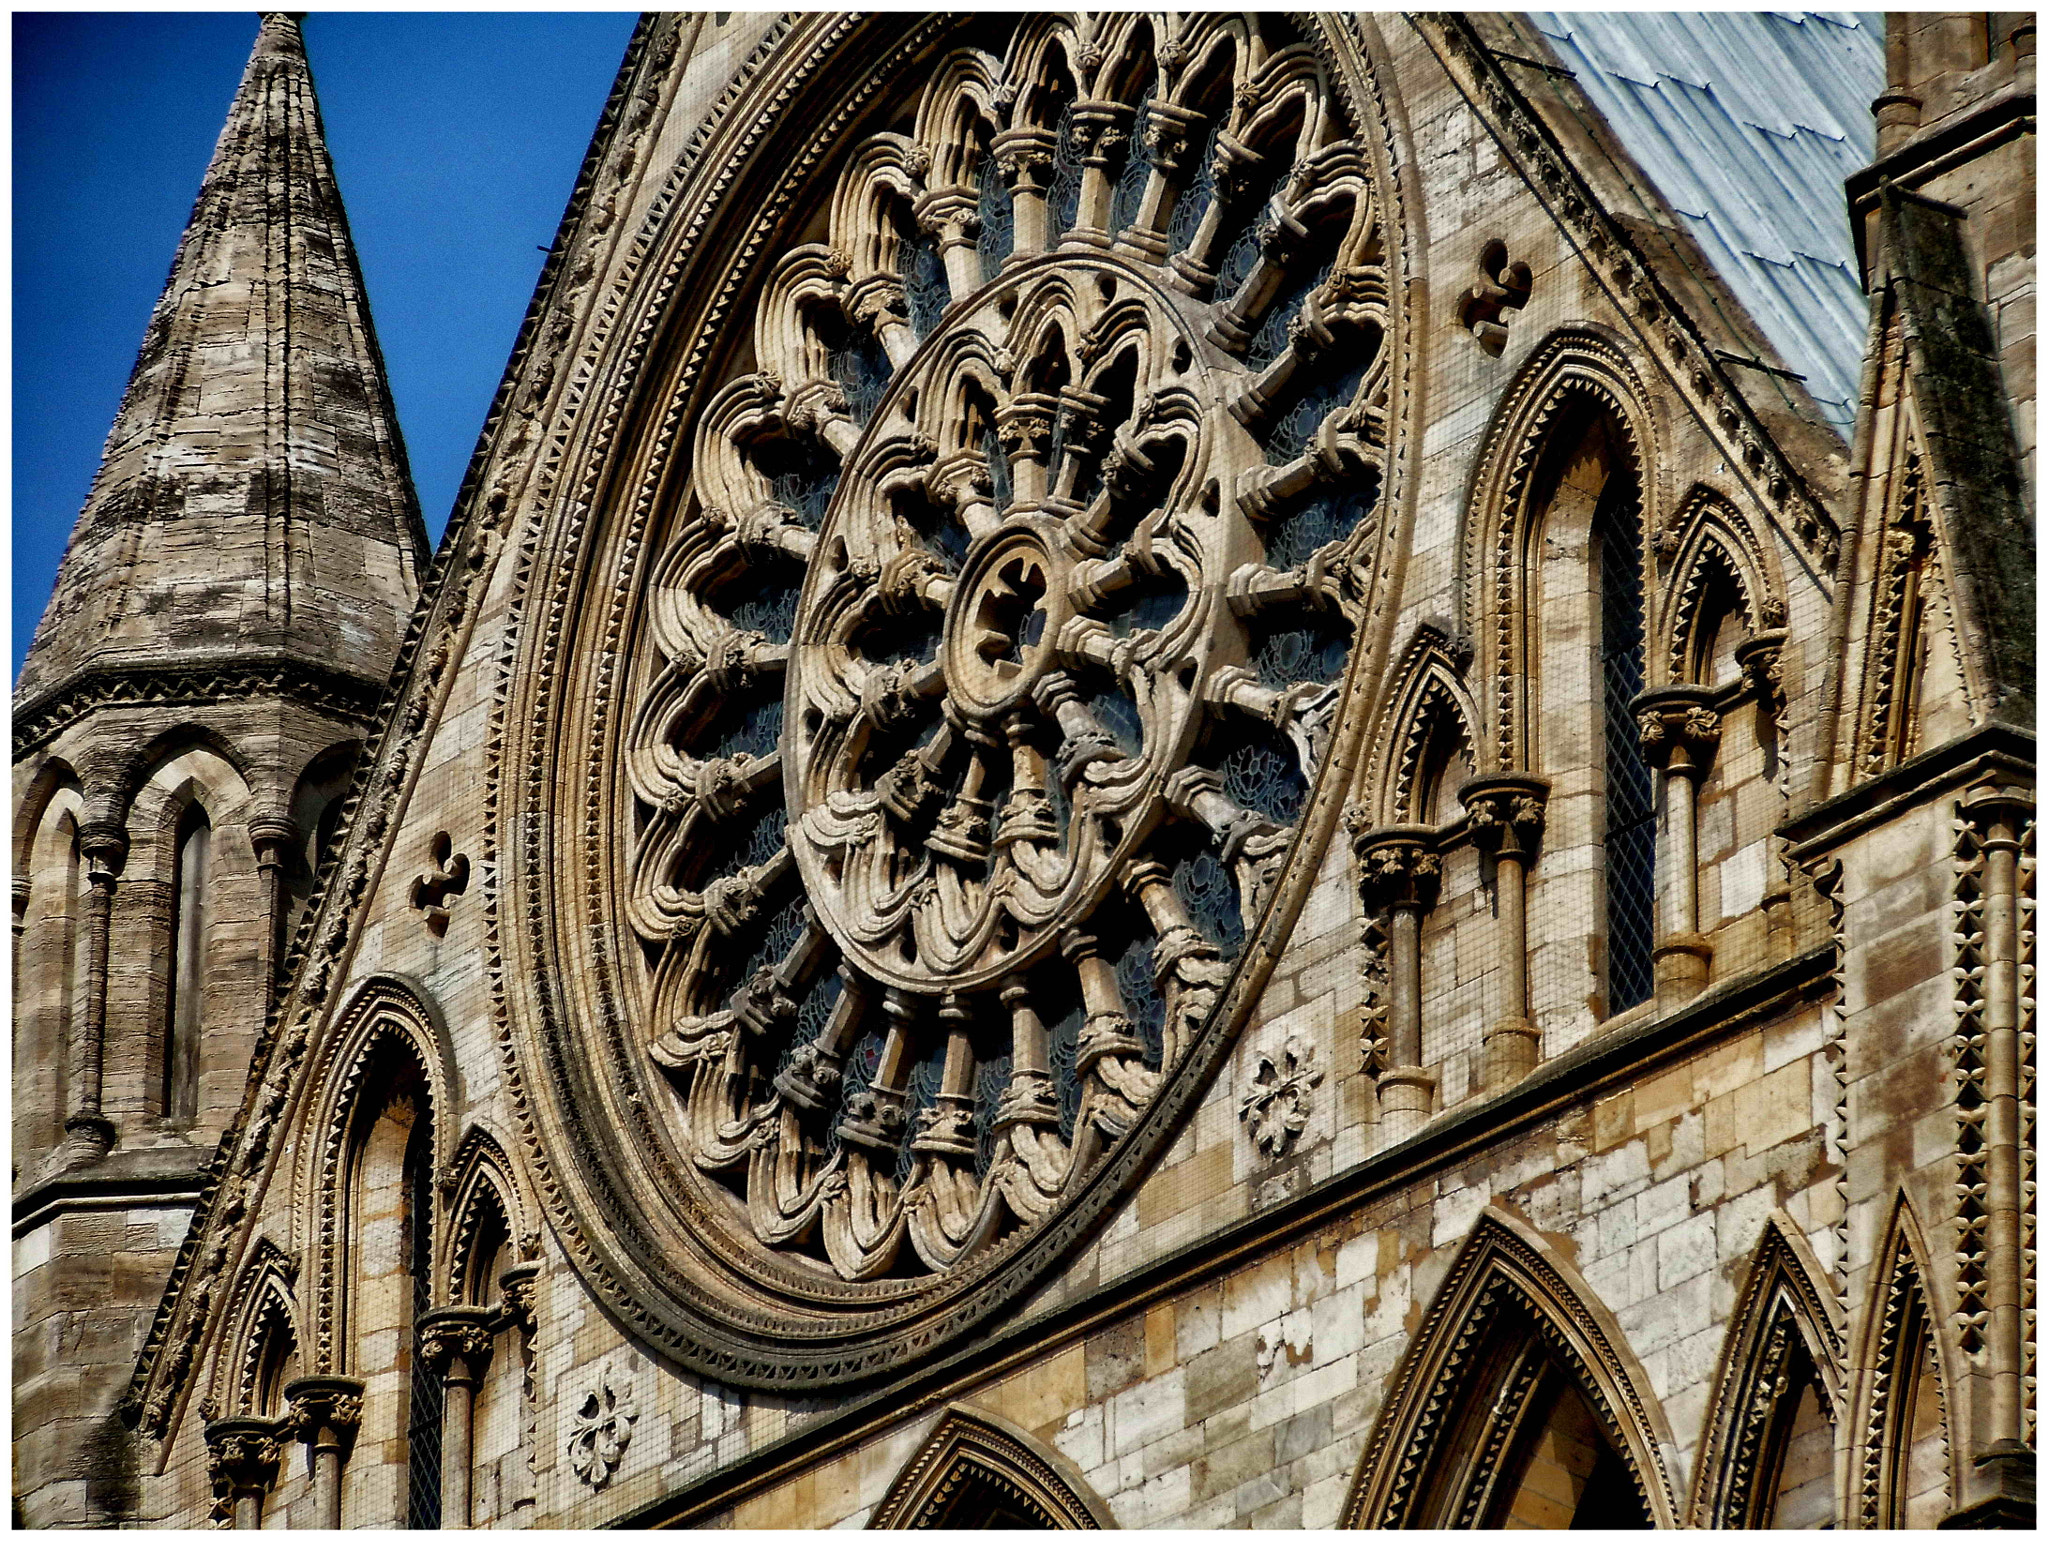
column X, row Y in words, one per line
column 455, row 137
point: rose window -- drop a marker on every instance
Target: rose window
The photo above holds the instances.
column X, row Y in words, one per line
column 994, row 648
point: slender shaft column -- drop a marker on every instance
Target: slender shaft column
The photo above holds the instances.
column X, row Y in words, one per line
column 1679, row 735
column 104, row 846
column 456, row 1342
column 326, row 1411
column 1024, row 157
column 241, row 1461
column 520, row 1287
column 1398, row 871
column 273, row 840
column 2000, row 815
column 1506, row 818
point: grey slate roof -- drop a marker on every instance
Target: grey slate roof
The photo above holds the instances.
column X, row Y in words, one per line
column 1748, row 122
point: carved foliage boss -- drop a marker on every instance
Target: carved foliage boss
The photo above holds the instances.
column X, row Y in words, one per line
column 978, row 678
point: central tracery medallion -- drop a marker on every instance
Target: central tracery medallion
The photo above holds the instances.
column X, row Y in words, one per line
column 985, row 658
column 958, row 788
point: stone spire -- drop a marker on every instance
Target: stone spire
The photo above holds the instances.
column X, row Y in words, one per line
column 253, row 508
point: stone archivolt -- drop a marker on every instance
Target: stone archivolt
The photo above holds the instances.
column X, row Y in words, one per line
column 983, row 670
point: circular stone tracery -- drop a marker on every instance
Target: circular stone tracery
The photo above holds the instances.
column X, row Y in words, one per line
column 966, row 705
column 951, row 814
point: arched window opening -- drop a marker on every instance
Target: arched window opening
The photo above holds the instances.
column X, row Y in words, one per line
column 1562, row 1473
column 1915, row 1435
column 1796, row 1461
column 393, row 1475
column 184, row 1018
column 1527, row 1448
column 423, row 1420
column 1718, row 629
column 49, row 967
column 1631, row 805
column 277, row 1366
column 1446, row 761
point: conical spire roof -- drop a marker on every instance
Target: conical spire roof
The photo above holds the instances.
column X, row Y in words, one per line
column 253, row 506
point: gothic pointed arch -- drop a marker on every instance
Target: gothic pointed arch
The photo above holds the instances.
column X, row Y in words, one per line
column 487, row 1212
column 386, row 1029
column 980, row 1472
column 1425, row 731
column 1716, row 571
column 1572, row 380
column 1515, row 1365
column 1778, row 1395
column 259, row 1338
column 1904, row 1453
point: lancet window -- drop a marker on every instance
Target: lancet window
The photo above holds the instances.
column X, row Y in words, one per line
column 184, row 1026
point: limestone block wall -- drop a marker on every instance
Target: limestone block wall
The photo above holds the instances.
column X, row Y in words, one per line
column 1222, row 1349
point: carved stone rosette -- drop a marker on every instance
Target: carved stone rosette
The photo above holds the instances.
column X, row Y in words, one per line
column 960, row 696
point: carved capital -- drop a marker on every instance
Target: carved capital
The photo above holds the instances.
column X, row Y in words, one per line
column 1762, row 660
column 1997, row 812
column 1679, row 731
column 456, row 1341
column 104, row 845
column 1505, row 813
column 242, row 1455
column 519, row 1289
column 325, row 1410
column 1398, row 866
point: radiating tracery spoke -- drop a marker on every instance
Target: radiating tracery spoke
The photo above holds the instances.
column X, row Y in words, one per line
column 1001, row 635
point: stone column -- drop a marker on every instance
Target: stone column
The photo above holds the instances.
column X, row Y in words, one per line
column 520, row 1288
column 1398, row 871
column 273, row 839
column 1101, row 128
column 241, row 1461
column 1999, row 815
column 1024, row 157
column 456, row 1342
column 1165, row 139
column 1506, row 818
column 104, row 845
column 326, row 1411
column 1679, row 735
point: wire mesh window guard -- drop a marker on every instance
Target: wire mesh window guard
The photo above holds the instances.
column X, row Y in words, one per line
column 1209, row 894
column 423, row 1412
column 1264, row 778
column 1631, row 798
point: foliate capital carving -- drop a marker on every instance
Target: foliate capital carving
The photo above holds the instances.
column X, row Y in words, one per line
column 1762, row 661
column 1505, row 813
column 1024, row 156
column 456, row 1340
column 1678, row 730
column 519, row 1288
column 323, row 1409
column 242, row 1455
column 1398, row 865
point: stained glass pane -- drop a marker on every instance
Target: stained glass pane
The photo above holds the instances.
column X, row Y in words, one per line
column 924, row 284
column 1263, row 778
column 1289, row 655
column 1195, row 197
column 1063, row 198
column 997, row 220
column 1209, row 894
column 1270, row 340
column 1135, row 171
column 861, row 369
column 991, row 1080
column 1142, row 1003
column 1295, row 537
